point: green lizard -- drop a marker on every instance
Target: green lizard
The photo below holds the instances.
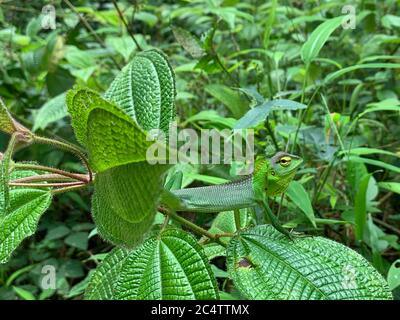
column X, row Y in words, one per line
column 271, row 177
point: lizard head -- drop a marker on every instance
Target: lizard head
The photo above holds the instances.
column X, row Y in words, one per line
column 281, row 170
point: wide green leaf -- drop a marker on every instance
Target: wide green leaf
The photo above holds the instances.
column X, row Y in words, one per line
column 102, row 282
column 171, row 266
column 130, row 191
column 265, row 264
column 317, row 39
column 26, row 207
column 53, row 110
column 145, row 90
column 111, row 227
column 111, row 136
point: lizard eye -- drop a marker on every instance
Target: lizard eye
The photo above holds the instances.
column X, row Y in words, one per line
column 285, row 161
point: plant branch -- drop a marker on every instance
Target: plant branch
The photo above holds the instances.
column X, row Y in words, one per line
column 76, row 176
column 45, row 185
column 126, row 25
column 195, row 228
column 69, row 147
column 90, row 29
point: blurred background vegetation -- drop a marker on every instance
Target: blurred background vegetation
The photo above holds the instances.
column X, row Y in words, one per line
column 223, row 52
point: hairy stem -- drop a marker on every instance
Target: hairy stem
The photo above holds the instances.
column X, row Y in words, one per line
column 69, row 147
column 76, row 176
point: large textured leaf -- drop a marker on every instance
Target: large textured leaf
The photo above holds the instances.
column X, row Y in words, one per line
column 317, row 39
column 26, row 207
column 130, row 191
column 265, row 264
column 53, row 110
column 102, row 281
column 170, row 266
column 111, row 227
column 110, row 135
column 259, row 113
column 145, row 90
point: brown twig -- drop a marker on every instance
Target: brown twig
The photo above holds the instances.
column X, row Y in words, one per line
column 121, row 16
column 90, row 29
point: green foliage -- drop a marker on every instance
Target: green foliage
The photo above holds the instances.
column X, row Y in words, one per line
column 287, row 70
column 171, row 266
column 103, row 281
column 145, row 90
column 317, row 39
column 26, row 207
column 264, row 264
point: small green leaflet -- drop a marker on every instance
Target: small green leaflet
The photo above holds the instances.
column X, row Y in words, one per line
column 360, row 206
column 53, row 110
column 265, row 264
column 171, row 266
column 317, row 39
column 394, row 275
column 259, row 113
column 391, row 186
column 301, row 199
column 6, row 121
column 102, row 282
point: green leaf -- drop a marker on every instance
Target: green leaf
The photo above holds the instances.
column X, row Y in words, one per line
column 360, row 206
column 374, row 163
column 258, row 114
column 24, row 294
column 366, row 151
column 171, row 266
column 26, row 207
column 317, row 39
column 53, row 110
column 115, row 229
column 334, row 75
column 130, row 191
column 394, row 275
column 6, row 120
column 213, row 250
column 189, row 42
column 78, row 240
column 145, row 90
column 230, row 98
column 225, row 223
column 391, row 186
column 265, row 264
column 110, row 135
column 301, row 199
column 102, row 282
